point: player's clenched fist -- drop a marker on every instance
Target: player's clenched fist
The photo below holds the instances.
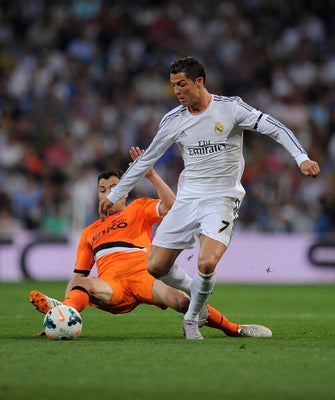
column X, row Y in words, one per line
column 310, row 168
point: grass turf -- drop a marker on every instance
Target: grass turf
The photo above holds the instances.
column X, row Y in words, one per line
column 143, row 355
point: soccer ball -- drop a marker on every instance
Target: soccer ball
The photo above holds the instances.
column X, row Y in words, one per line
column 62, row 322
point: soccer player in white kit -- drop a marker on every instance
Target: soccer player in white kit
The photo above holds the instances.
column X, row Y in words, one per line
column 208, row 130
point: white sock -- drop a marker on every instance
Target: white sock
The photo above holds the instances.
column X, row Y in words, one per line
column 177, row 278
column 201, row 288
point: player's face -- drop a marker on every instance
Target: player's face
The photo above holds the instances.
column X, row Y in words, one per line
column 104, row 188
column 187, row 92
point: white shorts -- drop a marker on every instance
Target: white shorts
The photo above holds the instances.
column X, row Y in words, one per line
column 188, row 219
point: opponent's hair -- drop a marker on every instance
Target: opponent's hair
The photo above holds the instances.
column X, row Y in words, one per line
column 111, row 172
column 192, row 68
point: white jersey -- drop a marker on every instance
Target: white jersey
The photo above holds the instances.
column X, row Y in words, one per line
column 211, row 145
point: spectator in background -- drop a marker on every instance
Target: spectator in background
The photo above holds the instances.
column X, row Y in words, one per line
column 27, row 203
column 63, row 66
column 56, row 222
column 9, row 226
column 325, row 223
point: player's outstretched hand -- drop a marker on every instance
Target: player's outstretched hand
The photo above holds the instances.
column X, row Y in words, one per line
column 135, row 152
column 310, row 168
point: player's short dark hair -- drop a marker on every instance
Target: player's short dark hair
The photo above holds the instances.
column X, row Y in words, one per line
column 192, row 68
column 108, row 173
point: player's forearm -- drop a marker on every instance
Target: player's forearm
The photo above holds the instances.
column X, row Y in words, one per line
column 129, row 180
column 164, row 191
column 283, row 135
column 138, row 169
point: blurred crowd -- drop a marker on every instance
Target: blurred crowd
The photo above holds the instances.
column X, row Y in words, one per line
column 83, row 80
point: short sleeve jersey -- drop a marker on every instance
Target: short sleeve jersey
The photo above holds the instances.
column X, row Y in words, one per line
column 119, row 245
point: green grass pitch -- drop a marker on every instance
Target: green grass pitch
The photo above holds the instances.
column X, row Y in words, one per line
column 143, row 355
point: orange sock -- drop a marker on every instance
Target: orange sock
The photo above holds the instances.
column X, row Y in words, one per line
column 77, row 298
column 218, row 321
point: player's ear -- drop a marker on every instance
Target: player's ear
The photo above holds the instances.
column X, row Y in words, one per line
column 199, row 82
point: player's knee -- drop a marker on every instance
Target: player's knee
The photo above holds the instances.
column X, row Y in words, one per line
column 77, row 281
column 207, row 264
column 80, row 282
column 155, row 270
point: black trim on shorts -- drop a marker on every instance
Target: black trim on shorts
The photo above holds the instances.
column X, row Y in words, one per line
column 110, row 245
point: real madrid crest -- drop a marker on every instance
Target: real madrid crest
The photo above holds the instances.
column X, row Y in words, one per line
column 218, row 128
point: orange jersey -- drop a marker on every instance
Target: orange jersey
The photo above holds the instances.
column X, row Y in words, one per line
column 119, row 245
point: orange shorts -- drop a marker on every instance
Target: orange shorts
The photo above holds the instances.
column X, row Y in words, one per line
column 129, row 292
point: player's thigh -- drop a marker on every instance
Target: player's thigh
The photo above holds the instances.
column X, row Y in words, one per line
column 217, row 218
column 99, row 289
column 169, row 296
column 178, row 228
column 161, row 259
column 210, row 253
column 216, row 229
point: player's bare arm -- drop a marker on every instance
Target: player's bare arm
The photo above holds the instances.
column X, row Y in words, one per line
column 165, row 193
